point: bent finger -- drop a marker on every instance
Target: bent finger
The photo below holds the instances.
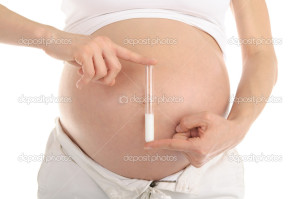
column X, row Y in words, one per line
column 88, row 73
column 99, row 66
column 190, row 122
column 114, row 67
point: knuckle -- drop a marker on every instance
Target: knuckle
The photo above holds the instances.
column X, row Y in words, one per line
column 117, row 67
column 93, row 46
column 101, row 73
column 98, row 38
column 104, row 72
column 184, row 122
column 106, row 39
column 90, row 73
column 103, row 40
column 85, row 52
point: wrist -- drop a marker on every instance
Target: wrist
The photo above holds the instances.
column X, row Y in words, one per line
column 241, row 125
column 45, row 34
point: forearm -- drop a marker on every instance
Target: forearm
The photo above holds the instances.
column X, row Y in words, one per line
column 14, row 27
column 258, row 78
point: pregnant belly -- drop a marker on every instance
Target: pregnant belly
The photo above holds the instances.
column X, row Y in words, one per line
column 107, row 123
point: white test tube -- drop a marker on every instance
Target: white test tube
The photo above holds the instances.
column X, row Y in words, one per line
column 149, row 116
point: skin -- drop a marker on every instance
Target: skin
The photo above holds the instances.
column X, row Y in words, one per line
column 199, row 136
column 86, row 52
column 107, row 131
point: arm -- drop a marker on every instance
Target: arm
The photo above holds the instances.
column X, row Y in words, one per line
column 97, row 57
column 205, row 135
column 14, row 27
column 259, row 61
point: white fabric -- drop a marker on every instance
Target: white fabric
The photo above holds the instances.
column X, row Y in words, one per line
column 85, row 17
column 81, row 177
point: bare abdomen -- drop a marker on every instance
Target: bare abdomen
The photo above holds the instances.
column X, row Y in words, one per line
column 108, row 122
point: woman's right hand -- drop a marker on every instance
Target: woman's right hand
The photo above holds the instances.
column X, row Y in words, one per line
column 98, row 57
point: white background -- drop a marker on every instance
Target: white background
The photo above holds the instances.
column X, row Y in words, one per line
column 25, row 128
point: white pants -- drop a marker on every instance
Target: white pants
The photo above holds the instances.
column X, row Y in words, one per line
column 73, row 175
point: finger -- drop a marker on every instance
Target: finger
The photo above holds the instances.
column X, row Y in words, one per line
column 80, row 71
column 190, row 122
column 114, row 81
column 99, row 66
column 74, row 63
column 114, row 67
column 170, row 144
column 182, row 136
column 88, row 73
column 128, row 55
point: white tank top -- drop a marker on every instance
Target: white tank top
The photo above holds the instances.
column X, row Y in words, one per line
column 87, row 16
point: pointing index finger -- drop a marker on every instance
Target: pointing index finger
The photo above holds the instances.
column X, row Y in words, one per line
column 170, row 144
column 128, row 55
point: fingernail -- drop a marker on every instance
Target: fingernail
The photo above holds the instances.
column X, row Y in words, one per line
column 78, row 85
column 178, row 128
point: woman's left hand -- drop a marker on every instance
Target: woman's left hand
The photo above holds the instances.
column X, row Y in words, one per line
column 201, row 137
